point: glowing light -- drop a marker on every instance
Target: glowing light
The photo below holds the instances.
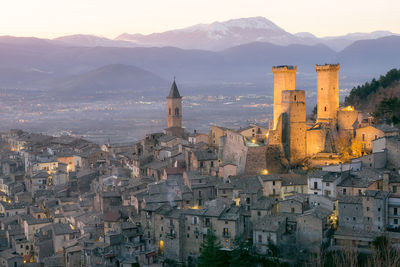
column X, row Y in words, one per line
column 253, row 141
column 195, row 207
column 237, row 201
column 348, row 108
column 71, row 226
column 265, row 172
column 266, row 135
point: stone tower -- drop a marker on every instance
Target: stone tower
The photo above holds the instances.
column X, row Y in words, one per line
column 327, row 92
column 294, row 125
column 174, row 107
column 284, row 79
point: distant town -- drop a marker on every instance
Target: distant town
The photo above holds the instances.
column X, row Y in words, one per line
column 284, row 189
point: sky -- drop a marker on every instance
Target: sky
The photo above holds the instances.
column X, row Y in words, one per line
column 110, row 18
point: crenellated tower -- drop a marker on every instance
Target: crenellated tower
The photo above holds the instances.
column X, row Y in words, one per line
column 327, row 92
column 284, row 79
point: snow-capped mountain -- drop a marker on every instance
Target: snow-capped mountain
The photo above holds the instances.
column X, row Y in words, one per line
column 217, row 35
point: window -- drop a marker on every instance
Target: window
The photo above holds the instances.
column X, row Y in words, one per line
column 394, row 189
column 344, row 191
column 212, row 163
column 315, row 185
column 248, row 200
column 354, row 218
column 327, row 184
column 367, row 208
column 199, row 194
column 226, row 222
column 359, row 192
column 363, row 137
column 294, row 97
column 292, row 210
column 169, row 111
column 273, row 182
column 379, row 209
column 259, row 238
column 226, row 232
column 395, row 211
column 325, row 108
column 396, row 221
column 176, row 111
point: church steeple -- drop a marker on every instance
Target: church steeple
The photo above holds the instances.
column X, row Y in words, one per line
column 174, row 93
column 174, row 107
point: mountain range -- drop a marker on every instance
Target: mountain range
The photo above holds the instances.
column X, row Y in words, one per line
column 222, row 35
column 88, row 65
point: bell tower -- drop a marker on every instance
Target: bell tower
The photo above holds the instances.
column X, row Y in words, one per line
column 174, row 103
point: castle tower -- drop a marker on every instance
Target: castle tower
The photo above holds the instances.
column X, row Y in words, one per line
column 294, row 125
column 327, row 92
column 174, row 107
column 284, row 79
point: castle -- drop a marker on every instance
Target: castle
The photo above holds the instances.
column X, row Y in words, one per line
column 292, row 134
column 292, row 140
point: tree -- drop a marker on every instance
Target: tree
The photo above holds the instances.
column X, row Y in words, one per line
column 356, row 148
column 385, row 255
column 211, row 254
column 243, row 253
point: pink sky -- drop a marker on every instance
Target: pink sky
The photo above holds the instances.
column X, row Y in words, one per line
column 109, row 18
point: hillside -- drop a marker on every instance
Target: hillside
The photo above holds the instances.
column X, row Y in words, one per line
column 380, row 97
column 110, row 79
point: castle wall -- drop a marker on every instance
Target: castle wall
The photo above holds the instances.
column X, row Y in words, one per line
column 327, row 92
column 316, row 139
column 235, row 151
column 294, row 131
column 284, row 79
column 256, row 160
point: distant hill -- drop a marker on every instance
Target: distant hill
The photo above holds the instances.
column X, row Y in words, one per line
column 47, row 64
column 91, row 41
column 111, row 79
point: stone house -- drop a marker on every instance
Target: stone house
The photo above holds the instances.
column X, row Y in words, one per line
column 272, row 185
column 226, row 170
column 254, row 131
column 202, row 161
column 12, row 209
column 323, row 183
column 9, row 259
column 313, row 226
column 366, row 135
column 268, row 230
column 294, row 204
column 216, row 132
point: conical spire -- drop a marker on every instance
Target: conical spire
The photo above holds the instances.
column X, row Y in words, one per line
column 174, row 93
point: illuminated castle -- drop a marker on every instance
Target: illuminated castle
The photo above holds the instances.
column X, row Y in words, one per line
column 299, row 140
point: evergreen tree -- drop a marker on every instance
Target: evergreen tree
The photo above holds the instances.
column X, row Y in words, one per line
column 211, row 254
column 243, row 253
